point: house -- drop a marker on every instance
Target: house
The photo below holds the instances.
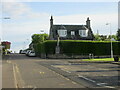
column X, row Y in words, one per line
column 6, row 44
column 71, row 32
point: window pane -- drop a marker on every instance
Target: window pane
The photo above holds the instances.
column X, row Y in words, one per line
column 80, row 32
column 62, row 33
column 72, row 32
column 65, row 32
column 84, row 33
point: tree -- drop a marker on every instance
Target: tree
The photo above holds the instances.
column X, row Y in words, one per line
column 113, row 37
column 38, row 38
column 104, row 37
column 100, row 37
column 118, row 34
column 97, row 37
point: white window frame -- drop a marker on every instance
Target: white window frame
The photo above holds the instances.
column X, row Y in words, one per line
column 83, row 33
column 62, row 33
column 80, row 32
column 73, row 33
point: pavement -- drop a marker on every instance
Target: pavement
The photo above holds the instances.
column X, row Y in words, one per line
column 81, row 61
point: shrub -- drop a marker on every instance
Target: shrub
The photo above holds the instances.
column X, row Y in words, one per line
column 78, row 47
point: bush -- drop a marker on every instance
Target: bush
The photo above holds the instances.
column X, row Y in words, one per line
column 39, row 48
column 78, row 47
column 75, row 47
column 50, row 46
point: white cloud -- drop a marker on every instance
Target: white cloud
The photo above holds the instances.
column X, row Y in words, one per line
column 14, row 9
column 19, row 10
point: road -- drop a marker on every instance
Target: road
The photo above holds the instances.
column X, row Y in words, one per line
column 20, row 71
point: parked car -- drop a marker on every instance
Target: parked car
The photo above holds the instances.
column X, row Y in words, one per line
column 31, row 54
column 22, row 52
column 27, row 52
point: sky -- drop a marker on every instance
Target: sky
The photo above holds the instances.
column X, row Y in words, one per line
column 28, row 18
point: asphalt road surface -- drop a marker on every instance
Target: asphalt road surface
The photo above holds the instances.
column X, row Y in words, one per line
column 20, row 71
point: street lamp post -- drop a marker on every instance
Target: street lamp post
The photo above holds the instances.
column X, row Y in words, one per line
column 27, row 42
column 110, row 39
column 23, row 45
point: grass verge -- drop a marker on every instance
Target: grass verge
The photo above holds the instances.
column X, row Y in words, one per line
column 100, row 59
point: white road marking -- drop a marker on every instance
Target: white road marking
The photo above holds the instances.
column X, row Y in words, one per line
column 86, row 78
column 101, row 84
column 109, row 86
column 104, row 85
column 65, row 70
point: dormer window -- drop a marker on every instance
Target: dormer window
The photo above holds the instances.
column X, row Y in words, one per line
column 83, row 33
column 62, row 33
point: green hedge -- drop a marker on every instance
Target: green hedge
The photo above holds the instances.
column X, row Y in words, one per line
column 78, row 47
column 119, row 48
column 39, row 48
column 50, row 46
column 104, row 48
column 75, row 47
